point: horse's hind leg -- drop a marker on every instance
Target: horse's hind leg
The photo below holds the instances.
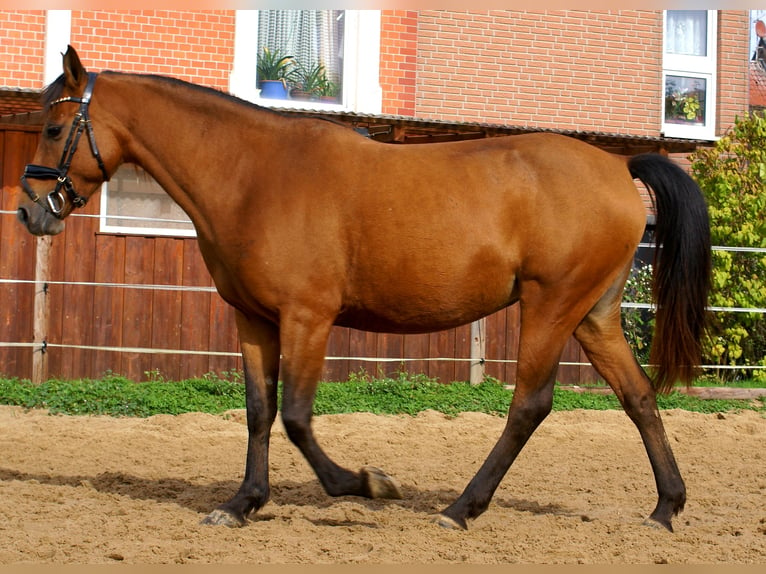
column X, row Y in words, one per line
column 601, row 336
column 547, row 321
column 260, row 352
column 303, row 348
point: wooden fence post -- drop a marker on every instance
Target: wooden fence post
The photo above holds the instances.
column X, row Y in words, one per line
column 478, row 350
column 41, row 311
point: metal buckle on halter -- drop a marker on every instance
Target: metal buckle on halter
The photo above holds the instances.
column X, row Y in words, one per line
column 56, row 209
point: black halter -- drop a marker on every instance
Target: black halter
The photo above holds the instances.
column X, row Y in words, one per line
column 55, row 200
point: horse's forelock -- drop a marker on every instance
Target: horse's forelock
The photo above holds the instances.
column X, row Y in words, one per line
column 52, row 91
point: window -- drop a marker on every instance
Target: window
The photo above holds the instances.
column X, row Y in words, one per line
column 689, row 76
column 312, row 40
column 133, row 202
column 342, row 47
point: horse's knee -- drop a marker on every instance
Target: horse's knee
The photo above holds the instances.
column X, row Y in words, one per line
column 538, row 409
column 532, row 408
column 639, row 405
column 297, row 423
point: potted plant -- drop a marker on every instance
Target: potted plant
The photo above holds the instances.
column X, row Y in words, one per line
column 308, row 81
column 329, row 92
column 683, row 104
column 273, row 69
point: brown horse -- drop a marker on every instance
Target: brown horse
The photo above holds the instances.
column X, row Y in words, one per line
column 305, row 224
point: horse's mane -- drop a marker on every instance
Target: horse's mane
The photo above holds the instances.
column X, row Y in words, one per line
column 53, row 92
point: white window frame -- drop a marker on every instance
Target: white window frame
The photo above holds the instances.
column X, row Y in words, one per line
column 362, row 92
column 703, row 67
column 138, row 229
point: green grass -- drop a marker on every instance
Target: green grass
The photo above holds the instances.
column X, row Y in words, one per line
column 401, row 394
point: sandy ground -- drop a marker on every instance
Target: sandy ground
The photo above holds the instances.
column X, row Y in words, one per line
column 104, row 490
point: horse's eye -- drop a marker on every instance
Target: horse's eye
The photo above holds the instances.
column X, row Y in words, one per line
column 53, row 132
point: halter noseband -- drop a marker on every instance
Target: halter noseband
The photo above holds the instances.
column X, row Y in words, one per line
column 55, row 200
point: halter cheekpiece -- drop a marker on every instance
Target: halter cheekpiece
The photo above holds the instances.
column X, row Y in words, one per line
column 55, row 200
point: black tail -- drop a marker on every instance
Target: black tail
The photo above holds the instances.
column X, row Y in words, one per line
column 682, row 268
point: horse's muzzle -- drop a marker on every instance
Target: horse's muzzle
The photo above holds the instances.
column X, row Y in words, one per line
column 38, row 220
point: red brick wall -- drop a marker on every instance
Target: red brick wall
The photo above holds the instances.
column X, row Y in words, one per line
column 561, row 69
column 193, row 46
column 569, row 69
column 22, row 45
column 398, row 61
column 733, row 67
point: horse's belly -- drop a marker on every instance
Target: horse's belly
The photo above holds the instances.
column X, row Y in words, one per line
column 381, row 324
column 436, row 286
column 420, row 317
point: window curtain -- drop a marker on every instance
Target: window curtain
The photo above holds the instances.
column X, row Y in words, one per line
column 311, row 36
column 686, row 32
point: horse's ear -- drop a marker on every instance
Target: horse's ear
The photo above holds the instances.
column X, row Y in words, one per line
column 75, row 75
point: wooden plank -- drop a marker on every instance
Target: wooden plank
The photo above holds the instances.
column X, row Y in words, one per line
column 223, row 336
column 137, row 307
column 362, row 344
column 337, row 346
column 108, row 302
column 195, row 324
column 166, row 305
column 7, row 290
column 390, row 346
column 28, row 263
column 462, row 351
column 416, row 347
column 496, row 336
column 17, row 260
column 442, row 345
column 56, row 301
column 77, row 304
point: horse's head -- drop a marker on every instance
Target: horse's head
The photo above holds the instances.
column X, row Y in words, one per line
column 66, row 169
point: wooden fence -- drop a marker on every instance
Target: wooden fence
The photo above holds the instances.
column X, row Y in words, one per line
column 90, row 310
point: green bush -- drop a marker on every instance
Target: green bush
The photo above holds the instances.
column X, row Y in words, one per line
column 637, row 322
column 732, row 175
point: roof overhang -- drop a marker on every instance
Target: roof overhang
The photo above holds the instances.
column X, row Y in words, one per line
column 22, row 108
column 406, row 130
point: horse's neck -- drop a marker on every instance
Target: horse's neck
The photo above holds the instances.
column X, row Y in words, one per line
column 187, row 139
column 174, row 122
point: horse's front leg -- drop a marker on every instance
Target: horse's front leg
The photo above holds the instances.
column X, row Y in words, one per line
column 259, row 341
column 303, row 342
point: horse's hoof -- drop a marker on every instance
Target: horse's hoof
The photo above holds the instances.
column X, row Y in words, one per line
column 654, row 523
column 449, row 523
column 379, row 484
column 222, row 518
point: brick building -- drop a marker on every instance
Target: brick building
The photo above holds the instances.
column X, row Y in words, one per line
column 585, row 70
column 629, row 80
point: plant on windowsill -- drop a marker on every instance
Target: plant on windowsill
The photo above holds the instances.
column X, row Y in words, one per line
column 683, row 107
column 309, row 82
column 273, row 69
column 329, row 92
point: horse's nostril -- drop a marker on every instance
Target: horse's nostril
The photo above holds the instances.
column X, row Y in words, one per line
column 23, row 215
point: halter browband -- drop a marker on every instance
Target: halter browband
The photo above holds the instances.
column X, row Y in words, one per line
column 55, row 200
